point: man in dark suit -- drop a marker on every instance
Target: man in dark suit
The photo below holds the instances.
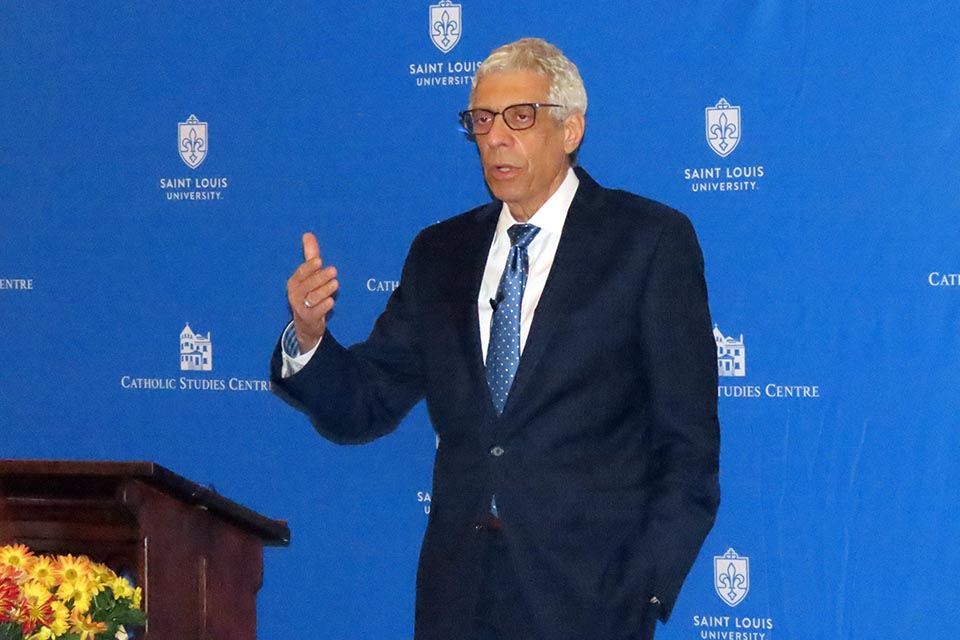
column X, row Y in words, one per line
column 561, row 338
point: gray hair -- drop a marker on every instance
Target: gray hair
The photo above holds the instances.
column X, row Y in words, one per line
column 539, row 56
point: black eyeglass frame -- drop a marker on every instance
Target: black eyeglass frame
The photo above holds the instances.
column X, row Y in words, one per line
column 469, row 128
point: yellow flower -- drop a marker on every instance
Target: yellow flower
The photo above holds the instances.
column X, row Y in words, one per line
column 137, row 597
column 17, row 556
column 61, row 616
column 101, row 575
column 78, row 591
column 121, row 588
column 35, row 590
column 82, row 602
column 85, row 626
column 42, row 571
column 69, row 569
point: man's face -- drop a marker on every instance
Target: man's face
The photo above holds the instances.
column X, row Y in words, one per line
column 524, row 168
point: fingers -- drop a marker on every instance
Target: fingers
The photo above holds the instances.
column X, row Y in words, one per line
column 319, row 288
column 312, row 274
column 311, row 299
column 308, row 286
column 311, row 248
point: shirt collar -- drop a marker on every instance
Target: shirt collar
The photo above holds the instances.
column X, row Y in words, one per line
column 551, row 216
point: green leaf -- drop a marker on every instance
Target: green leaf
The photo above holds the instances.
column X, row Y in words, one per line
column 10, row 631
column 104, row 601
column 134, row 617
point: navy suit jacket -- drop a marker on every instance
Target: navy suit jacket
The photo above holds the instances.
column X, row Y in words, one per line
column 606, row 478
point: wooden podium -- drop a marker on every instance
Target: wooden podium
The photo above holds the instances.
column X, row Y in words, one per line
column 197, row 555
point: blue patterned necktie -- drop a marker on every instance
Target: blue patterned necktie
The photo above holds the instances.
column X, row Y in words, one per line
column 503, row 352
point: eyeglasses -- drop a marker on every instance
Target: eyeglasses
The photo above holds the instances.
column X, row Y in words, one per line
column 518, row 117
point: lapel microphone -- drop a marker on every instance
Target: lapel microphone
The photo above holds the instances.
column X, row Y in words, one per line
column 495, row 302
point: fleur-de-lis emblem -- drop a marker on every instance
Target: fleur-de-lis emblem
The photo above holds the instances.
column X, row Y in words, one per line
column 731, row 577
column 723, row 127
column 192, row 141
column 723, row 130
column 193, row 144
column 445, row 25
column 732, row 581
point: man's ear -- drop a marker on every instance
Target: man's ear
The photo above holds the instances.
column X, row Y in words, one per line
column 573, row 128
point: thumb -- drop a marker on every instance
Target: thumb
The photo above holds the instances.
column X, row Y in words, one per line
column 311, row 249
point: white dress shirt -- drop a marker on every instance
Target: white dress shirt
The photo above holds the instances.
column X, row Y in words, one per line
column 541, row 252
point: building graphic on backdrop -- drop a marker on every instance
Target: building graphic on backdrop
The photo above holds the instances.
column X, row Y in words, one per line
column 723, row 127
column 196, row 351
column 731, row 355
column 731, row 577
column 192, row 141
column 196, row 354
column 445, row 23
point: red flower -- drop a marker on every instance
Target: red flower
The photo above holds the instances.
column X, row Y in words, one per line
column 9, row 593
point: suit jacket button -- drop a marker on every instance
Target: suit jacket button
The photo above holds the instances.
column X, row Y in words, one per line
column 496, row 451
column 478, row 526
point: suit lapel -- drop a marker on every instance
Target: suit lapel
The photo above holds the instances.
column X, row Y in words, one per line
column 475, row 248
column 561, row 289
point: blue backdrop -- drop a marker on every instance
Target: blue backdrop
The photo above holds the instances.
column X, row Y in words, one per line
column 815, row 148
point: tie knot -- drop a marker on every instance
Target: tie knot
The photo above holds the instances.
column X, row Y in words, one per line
column 522, row 234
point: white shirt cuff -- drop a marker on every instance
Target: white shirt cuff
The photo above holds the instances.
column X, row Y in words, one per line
column 293, row 360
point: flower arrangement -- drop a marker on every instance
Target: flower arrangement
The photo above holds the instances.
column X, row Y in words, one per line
column 63, row 597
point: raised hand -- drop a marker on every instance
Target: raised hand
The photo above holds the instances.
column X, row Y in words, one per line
column 310, row 293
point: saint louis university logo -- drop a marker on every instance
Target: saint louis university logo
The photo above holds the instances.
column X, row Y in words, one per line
column 731, row 355
column 196, row 351
column 723, row 127
column 445, row 24
column 731, row 577
column 192, row 141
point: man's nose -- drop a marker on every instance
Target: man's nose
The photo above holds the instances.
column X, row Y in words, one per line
column 499, row 134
